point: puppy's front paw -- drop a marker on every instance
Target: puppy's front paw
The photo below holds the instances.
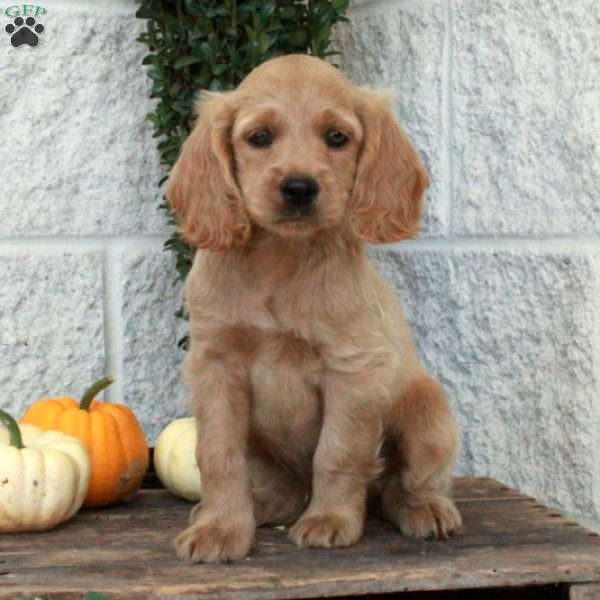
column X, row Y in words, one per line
column 326, row 531
column 212, row 539
column 430, row 516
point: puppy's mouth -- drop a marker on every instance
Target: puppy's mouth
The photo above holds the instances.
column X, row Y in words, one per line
column 296, row 223
column 299, row 216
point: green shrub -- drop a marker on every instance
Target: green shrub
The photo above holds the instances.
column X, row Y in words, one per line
column 214, row 44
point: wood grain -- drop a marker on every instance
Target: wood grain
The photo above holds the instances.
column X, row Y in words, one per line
column 509, row 540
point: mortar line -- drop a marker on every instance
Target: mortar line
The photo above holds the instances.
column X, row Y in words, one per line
column 376, row 6
column 113, row 322
column 57, row 246
column 74, row 243
column 112, row 7
column 553, row 245
column 447, row 122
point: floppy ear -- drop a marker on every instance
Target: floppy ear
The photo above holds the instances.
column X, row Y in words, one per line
column 202, row 189
column 390, row 179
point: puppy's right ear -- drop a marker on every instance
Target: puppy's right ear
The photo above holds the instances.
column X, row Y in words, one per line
column 202, row 189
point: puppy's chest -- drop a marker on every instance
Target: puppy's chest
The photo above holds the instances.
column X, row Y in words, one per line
column 286, row 403
column 277, row 307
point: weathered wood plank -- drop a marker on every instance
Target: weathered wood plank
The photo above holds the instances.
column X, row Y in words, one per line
column 585, row 592
column 509, row 540
column 483, row 521
column 464, row 488
column 475, row 488
column 482, row 488
column 348, row 577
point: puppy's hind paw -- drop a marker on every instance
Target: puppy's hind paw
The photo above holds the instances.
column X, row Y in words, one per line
column 432, row 516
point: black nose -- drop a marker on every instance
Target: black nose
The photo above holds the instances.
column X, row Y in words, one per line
column 299, row 192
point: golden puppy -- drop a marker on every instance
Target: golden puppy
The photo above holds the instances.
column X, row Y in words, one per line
column 305, row 382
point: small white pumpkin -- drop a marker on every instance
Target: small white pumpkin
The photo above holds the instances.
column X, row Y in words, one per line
column 44, row 476
column 175, row 459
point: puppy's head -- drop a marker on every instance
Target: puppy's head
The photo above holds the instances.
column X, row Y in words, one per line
column 296, row 149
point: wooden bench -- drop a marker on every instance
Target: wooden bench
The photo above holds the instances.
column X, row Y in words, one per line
column 511, row 547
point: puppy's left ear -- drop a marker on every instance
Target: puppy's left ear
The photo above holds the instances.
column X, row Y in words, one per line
column 390, row 178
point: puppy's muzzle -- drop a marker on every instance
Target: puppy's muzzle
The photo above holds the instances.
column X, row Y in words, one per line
column 299, row 194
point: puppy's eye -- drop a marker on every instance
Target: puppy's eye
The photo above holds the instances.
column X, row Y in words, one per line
column 261, row 138
column 334, row 138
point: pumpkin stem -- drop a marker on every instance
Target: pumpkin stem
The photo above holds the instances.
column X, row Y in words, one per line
column 14, row 432
column 93, row 391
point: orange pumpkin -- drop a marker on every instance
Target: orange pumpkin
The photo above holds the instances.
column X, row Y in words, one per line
column 112, row 434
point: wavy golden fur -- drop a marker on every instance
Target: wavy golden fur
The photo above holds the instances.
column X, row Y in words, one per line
column 305, row 382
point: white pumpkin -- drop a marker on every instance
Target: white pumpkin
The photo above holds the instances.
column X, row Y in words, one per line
column 175, row 459
column 44, row 476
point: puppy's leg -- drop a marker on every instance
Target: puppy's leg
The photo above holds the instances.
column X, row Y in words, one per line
column 223, row 525
column 346, row 459
column 416, row 490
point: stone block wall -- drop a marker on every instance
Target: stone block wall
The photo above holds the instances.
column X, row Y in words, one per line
column 85, row 287
column 501, row 97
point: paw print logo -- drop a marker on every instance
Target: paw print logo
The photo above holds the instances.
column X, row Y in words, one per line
column 24, row 31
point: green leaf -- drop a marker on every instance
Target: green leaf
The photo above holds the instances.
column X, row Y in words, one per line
column 299, row 37
column 220, row 69
column 184, row 61
column 340, row 5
